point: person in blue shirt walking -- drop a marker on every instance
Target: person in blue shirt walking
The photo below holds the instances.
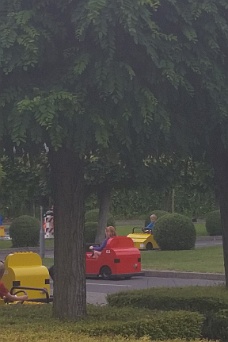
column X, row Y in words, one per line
column 150, row 226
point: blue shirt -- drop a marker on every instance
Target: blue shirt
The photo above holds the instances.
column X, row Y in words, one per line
column 102, row 246
column 150, row 226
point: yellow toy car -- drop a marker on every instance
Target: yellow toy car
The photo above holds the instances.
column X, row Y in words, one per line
column 143, row 241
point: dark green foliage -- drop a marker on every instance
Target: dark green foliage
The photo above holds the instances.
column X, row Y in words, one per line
column 92, row 216
column 158, row 213
column 90, row 232
column 24, row 231
column 104, row 320
column 213, row 223
column 135, row 76
column 157, row 325
column 175, row 232
column 212, row 302
column 201, row 299
column 216, row 326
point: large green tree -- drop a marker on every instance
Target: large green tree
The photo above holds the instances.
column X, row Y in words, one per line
column 198, row 113
column 73, row 76
column 76, row 75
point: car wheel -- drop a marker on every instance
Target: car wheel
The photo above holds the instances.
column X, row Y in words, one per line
column 149, row 246
column 105, row 272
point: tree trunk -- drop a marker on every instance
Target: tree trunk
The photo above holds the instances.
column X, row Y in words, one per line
column 220, row 164
column 104, row 204
column 69, row 253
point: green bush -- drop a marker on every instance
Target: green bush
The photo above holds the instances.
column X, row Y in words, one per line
column 157, row 325
column 92, row 216
column 216, row 326
column 102, row 321
column 212, row 302
column 24, row 231
column 158, row 213
column 201, row 299
column 90, row 232
column 175, row 232
column 213, row 223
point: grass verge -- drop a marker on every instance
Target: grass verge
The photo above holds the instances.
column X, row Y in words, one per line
column 208, row 260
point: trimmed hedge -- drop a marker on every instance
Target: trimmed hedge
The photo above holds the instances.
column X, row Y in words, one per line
column 92, row 216
column 201, row 299
column 175, row 232
column 212, row 302
column 25, row 231
column 158, row 213
column 216, row 325
column 158, row 326
column 213, row 223
column 101, row 321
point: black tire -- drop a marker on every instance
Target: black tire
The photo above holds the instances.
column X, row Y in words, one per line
column 149, row 246
column 105, row 272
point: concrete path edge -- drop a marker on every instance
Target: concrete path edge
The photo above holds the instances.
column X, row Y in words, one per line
column 184, row 275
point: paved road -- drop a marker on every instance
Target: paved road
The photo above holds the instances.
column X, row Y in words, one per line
column 98, row 289
column 208, row 243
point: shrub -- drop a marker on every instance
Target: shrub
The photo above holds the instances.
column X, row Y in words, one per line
column 201, row 299
column 213, row 223
column 216, row 326
column 175, row 232
column 92, row 216
column 158, row 213
column 157, row 325
column 24, row 231
column 212, row 302
column 90, row 232
column 103, row 321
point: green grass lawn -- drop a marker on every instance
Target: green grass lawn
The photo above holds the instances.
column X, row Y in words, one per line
column 209, row 260
column 200, row 229
column 48, row 262
column 6, row 244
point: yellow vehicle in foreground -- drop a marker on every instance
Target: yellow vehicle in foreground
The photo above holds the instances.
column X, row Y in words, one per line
column 143, row 241
column 25, row 274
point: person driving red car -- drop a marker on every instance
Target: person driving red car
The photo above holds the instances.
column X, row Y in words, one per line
column 110, row 232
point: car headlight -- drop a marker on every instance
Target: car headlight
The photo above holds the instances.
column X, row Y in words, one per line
column 142, row 245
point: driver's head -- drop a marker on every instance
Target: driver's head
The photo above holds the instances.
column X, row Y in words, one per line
column 2, row 269
column 110, row 231
column 153, row 218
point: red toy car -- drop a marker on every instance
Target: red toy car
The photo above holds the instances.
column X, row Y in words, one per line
column 119, row 259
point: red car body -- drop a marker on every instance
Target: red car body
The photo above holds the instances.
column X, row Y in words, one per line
column 119, row 259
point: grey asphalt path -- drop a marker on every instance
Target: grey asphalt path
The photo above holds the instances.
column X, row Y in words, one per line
column 98, row 289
